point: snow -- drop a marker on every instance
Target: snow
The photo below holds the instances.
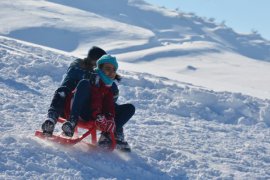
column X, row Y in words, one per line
column 202, row 100
column 179, row 131
column 146, row 36
column 224, row 71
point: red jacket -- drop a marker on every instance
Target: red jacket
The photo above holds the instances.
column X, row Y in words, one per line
column 101, row 101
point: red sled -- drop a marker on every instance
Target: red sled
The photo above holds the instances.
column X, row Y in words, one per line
column 90, row 128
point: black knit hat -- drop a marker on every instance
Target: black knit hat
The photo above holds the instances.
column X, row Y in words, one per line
column 95, row 53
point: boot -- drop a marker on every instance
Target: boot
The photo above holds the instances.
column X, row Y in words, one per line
column 48, row 127
column 69, row 127
column 121, row 143
column 49, row 124
column 104, row 140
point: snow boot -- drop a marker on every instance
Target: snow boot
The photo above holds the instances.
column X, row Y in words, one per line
column 121, row 143
column 104, row 140
column 48, row 127
column 69, row 127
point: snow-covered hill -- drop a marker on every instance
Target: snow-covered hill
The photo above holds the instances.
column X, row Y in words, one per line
column 181, row 46
column 179, row 131
column 174, row 27
column 201, row 91
column 122, row 26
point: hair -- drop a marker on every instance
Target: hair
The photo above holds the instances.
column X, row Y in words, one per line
column 118, row 77
column 95, row 53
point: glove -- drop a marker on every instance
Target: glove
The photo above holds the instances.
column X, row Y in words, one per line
column 105, row 124
column 101, row 122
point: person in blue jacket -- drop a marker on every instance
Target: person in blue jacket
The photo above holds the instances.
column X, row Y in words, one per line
column 81, row 70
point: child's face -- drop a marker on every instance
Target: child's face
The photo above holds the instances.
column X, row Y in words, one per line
column 109, row 70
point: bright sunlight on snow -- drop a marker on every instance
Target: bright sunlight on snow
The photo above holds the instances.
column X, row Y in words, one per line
column 201, row 91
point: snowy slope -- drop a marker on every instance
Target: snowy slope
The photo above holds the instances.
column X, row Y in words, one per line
column 121, row 26
column 201, row 91
column 66, row 28
column 174, row 27
column 181, row 46
column 179, row 131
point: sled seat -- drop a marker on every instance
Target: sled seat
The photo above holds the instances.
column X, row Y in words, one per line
column 90, row 128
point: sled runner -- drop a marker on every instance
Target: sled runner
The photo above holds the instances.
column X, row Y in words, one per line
column 90, row 128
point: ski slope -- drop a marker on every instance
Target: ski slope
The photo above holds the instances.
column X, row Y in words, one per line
column 179, row 131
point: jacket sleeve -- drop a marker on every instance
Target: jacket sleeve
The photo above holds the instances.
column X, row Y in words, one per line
column 74, row 74
column 70, row 79
column 69, row 83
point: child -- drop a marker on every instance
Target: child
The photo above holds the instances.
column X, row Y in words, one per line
column 78, row 70
column 94, row 100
